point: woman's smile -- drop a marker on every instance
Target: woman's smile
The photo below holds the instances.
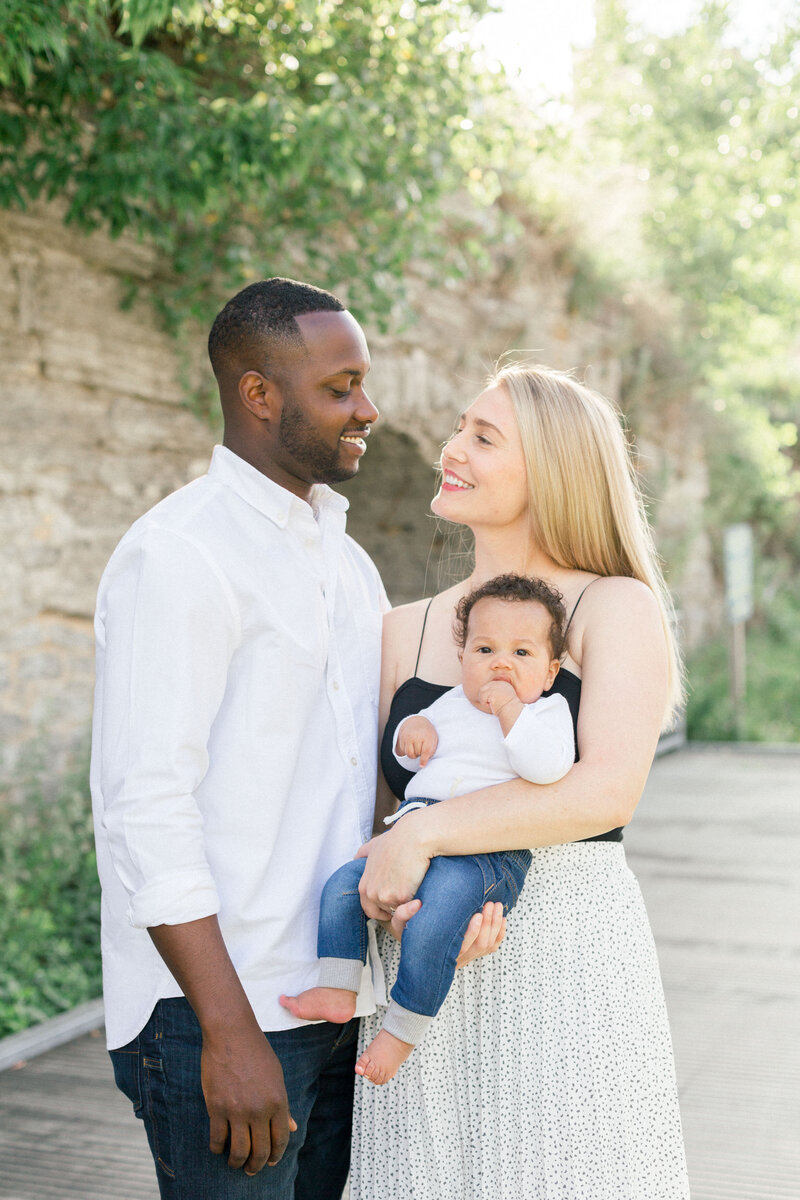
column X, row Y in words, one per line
column 484, row 454
column 454, row 483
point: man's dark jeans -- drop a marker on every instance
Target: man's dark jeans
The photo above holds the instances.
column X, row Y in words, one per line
column 159, row 1072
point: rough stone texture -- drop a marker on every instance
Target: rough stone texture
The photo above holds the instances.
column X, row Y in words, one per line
column 95, row 433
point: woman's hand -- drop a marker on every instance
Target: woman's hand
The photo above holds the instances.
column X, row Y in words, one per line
column 401, row 916
column 396, row 866
column 484, row 934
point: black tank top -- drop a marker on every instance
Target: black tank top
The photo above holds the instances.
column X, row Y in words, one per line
column 416, row 694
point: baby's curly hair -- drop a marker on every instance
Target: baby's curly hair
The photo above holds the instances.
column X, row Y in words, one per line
column 516, row 588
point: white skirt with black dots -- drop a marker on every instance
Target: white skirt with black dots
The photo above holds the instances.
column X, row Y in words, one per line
column 548, row 1072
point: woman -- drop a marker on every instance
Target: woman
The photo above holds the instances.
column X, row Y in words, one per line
column 548, row 1072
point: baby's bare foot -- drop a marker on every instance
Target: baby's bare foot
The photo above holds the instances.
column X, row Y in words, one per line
column 321, row 1004
column 383, row 1057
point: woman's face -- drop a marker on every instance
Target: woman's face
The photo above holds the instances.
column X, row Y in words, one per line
column 483, row 467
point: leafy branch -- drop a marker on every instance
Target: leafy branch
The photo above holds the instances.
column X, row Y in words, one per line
column 246, row 137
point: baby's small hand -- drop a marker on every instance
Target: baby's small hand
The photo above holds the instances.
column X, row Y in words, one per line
column 417, row 739
column 496, row 694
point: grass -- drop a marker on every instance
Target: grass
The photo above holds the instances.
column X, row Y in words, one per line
column 49, row 906
column 771, row 710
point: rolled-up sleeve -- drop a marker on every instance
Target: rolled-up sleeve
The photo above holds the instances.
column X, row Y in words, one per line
column 167, row 629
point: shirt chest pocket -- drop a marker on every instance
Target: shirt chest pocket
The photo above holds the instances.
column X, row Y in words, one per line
column 301, row 637
column 359, row 628
column 369, row 626
column 290, row 640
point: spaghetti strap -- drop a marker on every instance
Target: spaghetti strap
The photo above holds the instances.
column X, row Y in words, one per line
column 575, row 605
column 422, row 633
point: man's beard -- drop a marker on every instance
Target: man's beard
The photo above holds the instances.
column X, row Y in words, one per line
column 321, row 461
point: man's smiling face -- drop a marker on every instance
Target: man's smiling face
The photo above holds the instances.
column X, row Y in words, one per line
column 326, row 413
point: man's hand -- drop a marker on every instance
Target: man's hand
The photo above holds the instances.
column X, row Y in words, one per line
column 246, row 1099
column 240, row 1075
column 417, row 739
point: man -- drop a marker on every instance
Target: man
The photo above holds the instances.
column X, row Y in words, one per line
column 233, row 763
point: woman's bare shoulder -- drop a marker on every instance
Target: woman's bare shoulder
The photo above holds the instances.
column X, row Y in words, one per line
column 402, row 627
column 612, row 591
column 410, row 616
column 620, row 607
column 405, row 617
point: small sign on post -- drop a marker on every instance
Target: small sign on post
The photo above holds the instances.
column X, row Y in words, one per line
column 737, row 544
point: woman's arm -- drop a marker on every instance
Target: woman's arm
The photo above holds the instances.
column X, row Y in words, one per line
column 385, row 804
column 401, row 629
column 620, row 647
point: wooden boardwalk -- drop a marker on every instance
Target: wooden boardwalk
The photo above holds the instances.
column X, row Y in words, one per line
column 716, row 846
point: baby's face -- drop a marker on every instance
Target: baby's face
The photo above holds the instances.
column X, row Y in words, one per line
column 508, row 640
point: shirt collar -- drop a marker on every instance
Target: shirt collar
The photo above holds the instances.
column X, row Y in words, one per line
column 265, row 495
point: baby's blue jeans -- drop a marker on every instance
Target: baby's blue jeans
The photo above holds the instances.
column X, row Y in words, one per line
column 453, row 890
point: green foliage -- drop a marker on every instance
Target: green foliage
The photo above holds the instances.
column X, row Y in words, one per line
column 771, row 711
column 49, row 906
column 772, row 699
column 245, row 139
column 714, row 135
column 752, row 474
column 697, row 143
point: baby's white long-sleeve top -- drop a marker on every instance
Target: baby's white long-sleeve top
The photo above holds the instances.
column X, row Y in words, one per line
column 472, row 752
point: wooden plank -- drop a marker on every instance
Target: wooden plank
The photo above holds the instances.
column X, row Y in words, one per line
column 67, row 1133
column 715, row 845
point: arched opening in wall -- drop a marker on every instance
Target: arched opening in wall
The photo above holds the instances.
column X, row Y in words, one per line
column 390, row 517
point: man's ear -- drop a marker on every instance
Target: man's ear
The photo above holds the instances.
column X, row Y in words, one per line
column 260, row 396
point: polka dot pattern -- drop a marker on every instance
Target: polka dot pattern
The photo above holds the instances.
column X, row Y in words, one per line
column 548, row 1073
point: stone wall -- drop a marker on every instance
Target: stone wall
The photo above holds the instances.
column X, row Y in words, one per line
column 95, row 431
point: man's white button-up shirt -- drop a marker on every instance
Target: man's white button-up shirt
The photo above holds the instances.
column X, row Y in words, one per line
column 235, row 731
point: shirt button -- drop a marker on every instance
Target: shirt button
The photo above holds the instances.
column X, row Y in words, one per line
column 336, row 685
column 354, row 761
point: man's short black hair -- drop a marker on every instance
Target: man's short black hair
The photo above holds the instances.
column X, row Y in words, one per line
column 262, row 314
column 515, row 588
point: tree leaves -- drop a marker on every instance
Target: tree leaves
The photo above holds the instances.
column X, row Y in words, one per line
column 29, row 34
column 709, row 136
column 140, row 17
column 325, row 131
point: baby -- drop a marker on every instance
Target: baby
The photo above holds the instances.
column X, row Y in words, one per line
column 494, row 727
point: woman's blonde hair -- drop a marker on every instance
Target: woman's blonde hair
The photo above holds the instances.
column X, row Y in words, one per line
column 586, row 506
